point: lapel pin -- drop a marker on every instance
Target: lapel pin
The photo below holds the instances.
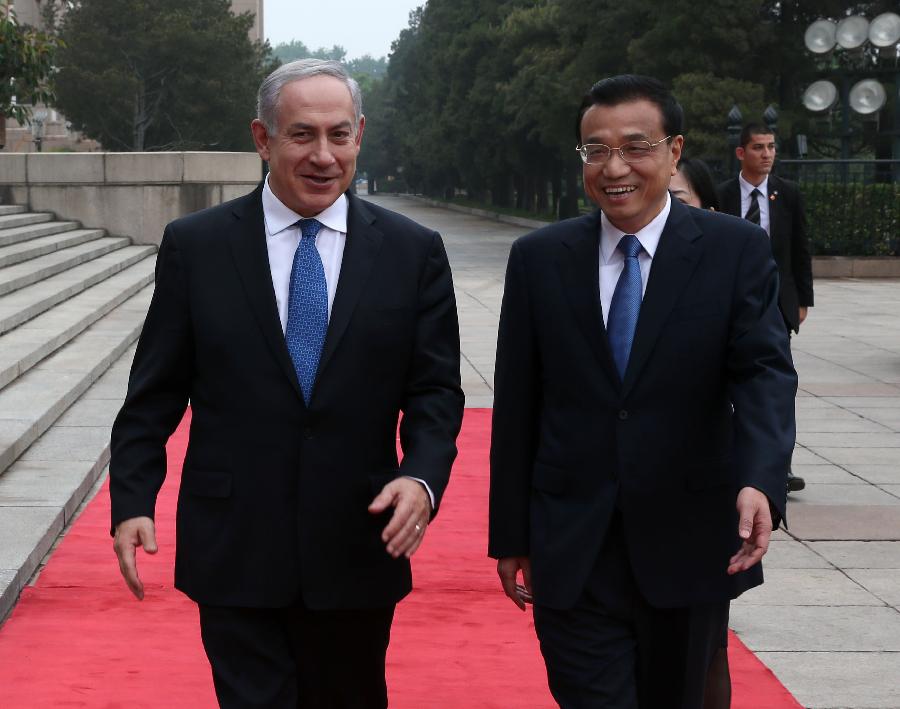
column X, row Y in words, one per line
column 773, row 195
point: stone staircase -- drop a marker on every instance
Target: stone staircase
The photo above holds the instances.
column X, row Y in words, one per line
column 72, row 303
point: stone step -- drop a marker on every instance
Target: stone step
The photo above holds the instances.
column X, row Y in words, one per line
column 22, row 305
column 41, row 492
column 18, row 234
column 27, row 250
column 28, row 344
column 11, row 221
column 13, row 278
column 33, row 402
column 11, row 209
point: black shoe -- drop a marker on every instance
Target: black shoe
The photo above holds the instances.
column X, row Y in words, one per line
column 795, row 483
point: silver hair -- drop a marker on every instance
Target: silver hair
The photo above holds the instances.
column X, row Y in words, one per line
column 270, row 89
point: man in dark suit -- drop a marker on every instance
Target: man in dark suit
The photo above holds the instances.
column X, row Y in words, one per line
column 776, row 205
column 643, row 418
column 299, row 322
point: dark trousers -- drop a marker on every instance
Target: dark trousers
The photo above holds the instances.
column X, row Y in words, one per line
column 283, row 658
column 614, row 651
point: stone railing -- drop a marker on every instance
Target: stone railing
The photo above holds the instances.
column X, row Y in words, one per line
column 128, row 194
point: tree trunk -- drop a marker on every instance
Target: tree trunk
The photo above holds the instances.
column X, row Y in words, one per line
column 140, row 119
column 519, row 187
column 557, row 191
column 2, row 131
column 529, row 190
column 542, row 201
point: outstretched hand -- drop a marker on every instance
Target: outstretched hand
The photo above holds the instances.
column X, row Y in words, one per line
column 755, row 528
column 131, row 534
column 412, row 510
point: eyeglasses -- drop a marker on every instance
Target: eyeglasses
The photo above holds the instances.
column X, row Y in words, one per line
column 632, row 151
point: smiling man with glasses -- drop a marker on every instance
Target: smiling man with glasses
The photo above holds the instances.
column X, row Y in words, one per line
column 643, row 418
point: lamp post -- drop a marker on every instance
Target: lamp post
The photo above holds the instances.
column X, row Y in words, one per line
column 862, row 50
column 37, row 128
column 735, row 123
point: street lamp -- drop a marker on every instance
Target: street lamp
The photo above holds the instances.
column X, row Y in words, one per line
column 37, row 127
column 734, row 126
column 867, row 49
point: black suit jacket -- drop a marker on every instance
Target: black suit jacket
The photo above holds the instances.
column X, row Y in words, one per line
column 790, row 246
column 273, row 496
column 571, row 441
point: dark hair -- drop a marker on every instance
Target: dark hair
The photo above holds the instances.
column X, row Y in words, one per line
column 751, row 129
column 630, row 87
column 697, row 173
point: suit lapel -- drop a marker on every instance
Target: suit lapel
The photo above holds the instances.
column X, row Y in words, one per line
column 579, row 266
column 733, row 197
column 251, row 258
column 673, row 264
column 360, row 251
column 775, row 212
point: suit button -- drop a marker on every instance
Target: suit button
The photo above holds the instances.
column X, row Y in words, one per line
column 623, row 414
column 307, row 433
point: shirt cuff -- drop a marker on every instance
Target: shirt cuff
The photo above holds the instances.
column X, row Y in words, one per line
column 427, row 489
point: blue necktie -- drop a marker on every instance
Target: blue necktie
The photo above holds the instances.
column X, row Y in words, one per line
column 626, row 304
column 307, row 308
column 753, row 210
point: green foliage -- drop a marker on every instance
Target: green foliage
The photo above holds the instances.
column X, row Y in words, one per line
column 26, row 65
column 853, row 219
column 160, row 74
column 706, row 100
column 295, row 49
column 480, row 97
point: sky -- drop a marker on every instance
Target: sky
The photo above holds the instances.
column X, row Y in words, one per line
column 359, row 26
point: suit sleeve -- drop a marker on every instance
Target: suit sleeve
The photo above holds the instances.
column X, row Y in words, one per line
column 158, row 392
column 800, row 255
column 515, row 417
column 761, row 375
column 434, row 401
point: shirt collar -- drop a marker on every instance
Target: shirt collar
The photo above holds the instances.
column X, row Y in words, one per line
column 648, row 236
column 279, row 217
column 747, row 188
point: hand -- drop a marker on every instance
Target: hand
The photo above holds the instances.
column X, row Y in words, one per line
column 508, row 569
column 412, row 510
column 804, row 311
column 130, row 534
column 755, row 528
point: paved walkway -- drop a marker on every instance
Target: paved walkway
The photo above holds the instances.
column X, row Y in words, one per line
column 828, row 620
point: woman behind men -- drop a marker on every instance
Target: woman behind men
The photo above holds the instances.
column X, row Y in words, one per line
column 693, row 185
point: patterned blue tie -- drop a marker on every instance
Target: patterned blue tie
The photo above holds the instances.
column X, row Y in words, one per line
column 626, row 304
column 307, row 308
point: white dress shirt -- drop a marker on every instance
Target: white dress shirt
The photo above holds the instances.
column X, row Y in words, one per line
column 763, row 187
column 282, row 238
column 612, row 261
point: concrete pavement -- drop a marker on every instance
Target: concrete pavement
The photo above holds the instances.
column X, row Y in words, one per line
column 827, row 621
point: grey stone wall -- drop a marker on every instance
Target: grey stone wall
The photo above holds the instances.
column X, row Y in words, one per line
column 128, row 194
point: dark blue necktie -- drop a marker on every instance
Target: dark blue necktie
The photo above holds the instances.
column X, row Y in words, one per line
column 753, row 210
column 626, row 304
column 307, row 319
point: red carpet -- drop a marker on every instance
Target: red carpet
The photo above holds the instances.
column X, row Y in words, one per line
column 78, row 638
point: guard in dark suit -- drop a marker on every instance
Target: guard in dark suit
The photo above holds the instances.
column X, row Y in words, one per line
column 775, row 204
column 299, row 322
column 643, row 418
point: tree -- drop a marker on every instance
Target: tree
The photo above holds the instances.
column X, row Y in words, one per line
column 160, row 74
column 295, row 49
column 706, row 100
column 26, row 64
